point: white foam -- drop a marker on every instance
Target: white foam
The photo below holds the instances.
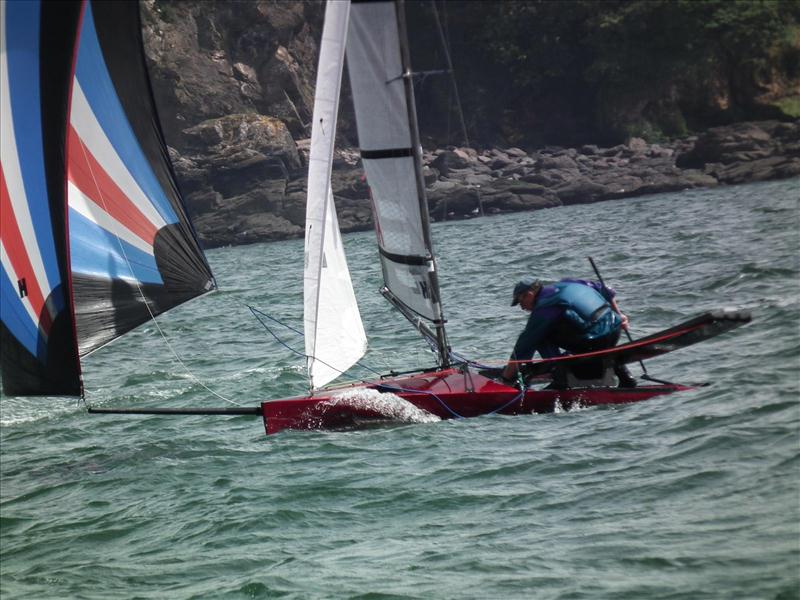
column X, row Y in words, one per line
column 18, row 411
column 390, row 405
column 575, row 405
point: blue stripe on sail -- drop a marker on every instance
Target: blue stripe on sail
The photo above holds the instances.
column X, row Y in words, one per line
column 15, row 317
column 95, row 81
column 95, row 251
column 22, row 54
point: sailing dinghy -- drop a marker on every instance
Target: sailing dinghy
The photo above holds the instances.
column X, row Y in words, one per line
column 96, row 240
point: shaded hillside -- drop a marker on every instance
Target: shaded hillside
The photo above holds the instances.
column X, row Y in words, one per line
column 529, row 73
column 568, row 73
column 628, row 85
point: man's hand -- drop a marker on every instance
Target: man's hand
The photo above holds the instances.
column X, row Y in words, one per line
column 615, row 308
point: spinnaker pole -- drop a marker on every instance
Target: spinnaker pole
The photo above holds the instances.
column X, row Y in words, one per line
column 226, row 412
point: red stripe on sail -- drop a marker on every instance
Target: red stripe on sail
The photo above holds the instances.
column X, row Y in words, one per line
column 88, row 175
column 18, row 255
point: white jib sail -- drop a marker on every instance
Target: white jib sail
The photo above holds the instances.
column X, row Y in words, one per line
column 334, row 333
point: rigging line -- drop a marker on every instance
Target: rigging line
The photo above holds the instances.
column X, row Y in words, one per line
column 256, row 314
column 271, row 318
column 514, row 400
column 446, row 49
column 191, row 375
column 448, row 59
column 391, row 388
column 460, row 358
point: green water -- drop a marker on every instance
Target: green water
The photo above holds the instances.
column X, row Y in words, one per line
column 694, row 495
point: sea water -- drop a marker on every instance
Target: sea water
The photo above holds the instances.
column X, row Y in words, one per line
column 694, row 495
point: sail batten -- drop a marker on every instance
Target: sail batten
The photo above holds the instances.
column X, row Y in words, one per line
column 386, row 153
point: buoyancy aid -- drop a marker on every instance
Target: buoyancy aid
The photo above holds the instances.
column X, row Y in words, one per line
column 587, row 313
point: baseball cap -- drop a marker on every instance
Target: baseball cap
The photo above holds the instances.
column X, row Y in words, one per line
column 522, row 286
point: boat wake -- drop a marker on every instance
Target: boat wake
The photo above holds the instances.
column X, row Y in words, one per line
column 388, row 405
column 571, row 406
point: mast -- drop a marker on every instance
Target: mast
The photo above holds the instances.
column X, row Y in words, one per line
column 416, row 144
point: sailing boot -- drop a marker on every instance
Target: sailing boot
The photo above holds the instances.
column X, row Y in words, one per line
column 559, row 382
column 624, row 377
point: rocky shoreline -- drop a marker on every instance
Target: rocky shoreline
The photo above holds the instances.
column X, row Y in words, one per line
column 244, row 178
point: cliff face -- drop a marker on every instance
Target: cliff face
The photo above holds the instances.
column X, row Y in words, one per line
column 234, row 85
column 213, row 59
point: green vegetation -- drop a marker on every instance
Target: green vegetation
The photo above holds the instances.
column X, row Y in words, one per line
column 790, row 106
column 588, row 70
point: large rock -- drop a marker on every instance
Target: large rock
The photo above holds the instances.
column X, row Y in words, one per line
column 226, row 229
column 245, row 182
column 774, row 167
column 265, row 135
column 581, row 191
column 450, row 159
column 742, row 142
column 239, row 152
column 746, row 152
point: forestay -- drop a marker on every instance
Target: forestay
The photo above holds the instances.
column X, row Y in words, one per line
column 334, row 333
column 386, row 121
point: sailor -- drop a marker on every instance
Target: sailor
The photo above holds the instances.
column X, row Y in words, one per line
column 572, row 314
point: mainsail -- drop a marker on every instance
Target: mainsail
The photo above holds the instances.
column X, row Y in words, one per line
column 390, row 150
column 334, row 333
column 125, row 250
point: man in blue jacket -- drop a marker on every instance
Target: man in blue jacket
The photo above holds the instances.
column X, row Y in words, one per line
column 572, row 314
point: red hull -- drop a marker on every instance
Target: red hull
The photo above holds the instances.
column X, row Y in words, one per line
column 445, row 394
